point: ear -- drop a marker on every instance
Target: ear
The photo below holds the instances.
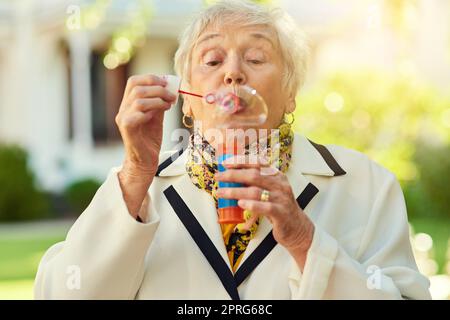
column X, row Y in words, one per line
column 290, row 107
column 186, row 108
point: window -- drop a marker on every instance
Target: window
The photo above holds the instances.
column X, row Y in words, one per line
column 107, row 90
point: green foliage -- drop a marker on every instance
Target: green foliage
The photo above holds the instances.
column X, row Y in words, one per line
column 429, row 195
column 388, row 117
column 80, row 193
column 20, row 199
column 439, row 230
column 127, row 36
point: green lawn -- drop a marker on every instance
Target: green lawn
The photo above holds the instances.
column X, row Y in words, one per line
column 21, row 251
column 16, row 290
column 20, row 257
column 21, row 248
column 19, row 261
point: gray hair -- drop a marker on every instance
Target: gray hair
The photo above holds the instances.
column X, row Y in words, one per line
column 292, row 42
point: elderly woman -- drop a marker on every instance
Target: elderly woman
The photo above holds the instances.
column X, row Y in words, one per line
column 321, row 222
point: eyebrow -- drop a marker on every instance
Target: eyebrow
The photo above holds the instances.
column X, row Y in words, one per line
column 259, row 35
column 256, row 35
column 208, row 37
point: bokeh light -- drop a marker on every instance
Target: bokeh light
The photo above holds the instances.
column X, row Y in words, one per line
column 334, row 102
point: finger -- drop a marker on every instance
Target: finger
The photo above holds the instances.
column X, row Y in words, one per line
column 133, row 120
column 245, row 161
column 142, row 92
column 251, row 193
column 251, row 177
column 264, row 208
column 143, row 80
column 146, row 105
column 249, row 223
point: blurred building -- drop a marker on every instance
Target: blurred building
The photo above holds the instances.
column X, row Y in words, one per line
column 58, row 99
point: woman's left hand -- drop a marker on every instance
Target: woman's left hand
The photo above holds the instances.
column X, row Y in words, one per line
column 291, row 226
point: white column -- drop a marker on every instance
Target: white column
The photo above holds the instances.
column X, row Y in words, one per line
column 81, row 91
column 19, row 72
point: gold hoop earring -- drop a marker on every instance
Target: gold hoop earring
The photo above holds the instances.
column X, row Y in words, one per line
column 188, row 125
column 292, row 119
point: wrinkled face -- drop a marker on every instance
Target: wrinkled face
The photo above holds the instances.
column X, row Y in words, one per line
column 228, row 56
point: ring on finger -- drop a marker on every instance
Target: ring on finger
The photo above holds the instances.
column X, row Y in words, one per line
column 265, row 195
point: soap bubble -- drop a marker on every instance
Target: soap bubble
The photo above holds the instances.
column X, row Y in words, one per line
column 237, row 107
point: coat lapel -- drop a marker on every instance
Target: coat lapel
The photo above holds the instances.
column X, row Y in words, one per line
column 203, row 208
column 203, row 241
column 305, row 160
column 196, row 208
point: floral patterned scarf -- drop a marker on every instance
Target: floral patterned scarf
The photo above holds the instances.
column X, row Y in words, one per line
column 202, row 165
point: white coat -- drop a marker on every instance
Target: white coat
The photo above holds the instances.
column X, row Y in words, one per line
column 360, row 248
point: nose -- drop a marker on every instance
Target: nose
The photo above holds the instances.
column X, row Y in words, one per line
column 234, row 74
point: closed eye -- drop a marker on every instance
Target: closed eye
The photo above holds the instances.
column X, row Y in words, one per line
column 255, row 61
column 213, row 63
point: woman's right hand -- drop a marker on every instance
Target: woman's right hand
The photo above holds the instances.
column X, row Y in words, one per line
column 140, row 122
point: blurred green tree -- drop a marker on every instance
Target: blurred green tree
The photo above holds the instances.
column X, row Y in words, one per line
column 20, row 199
column 389, row 117
column 80, row 193
column 429, row 196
